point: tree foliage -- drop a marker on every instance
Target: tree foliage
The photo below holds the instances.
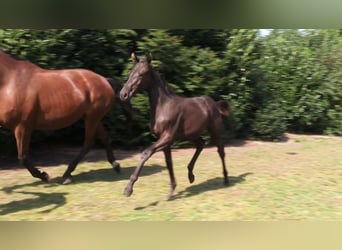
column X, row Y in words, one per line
column 290, row 80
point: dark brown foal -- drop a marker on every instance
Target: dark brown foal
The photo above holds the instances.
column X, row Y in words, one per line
column 174, row 118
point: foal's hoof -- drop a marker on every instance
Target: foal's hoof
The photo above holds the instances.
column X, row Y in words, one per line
column 170, row 194
column 116, row 167
column 191, row 178
column 128, row 191
column 67, row 180
column 45, row 177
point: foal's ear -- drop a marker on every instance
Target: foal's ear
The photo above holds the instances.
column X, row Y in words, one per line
column 149, row 57
column 134, row 57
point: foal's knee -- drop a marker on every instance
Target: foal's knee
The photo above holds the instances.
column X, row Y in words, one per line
column 146, row 154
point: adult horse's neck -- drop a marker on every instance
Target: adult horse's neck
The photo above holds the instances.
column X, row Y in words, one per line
column 158, row 92
column 6, row 62
column 9, row 62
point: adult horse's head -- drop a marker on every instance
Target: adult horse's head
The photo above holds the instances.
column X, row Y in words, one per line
column 139, row 77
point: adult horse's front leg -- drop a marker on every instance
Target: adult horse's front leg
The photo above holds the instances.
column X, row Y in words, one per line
column 162, row 143
column 23, row 137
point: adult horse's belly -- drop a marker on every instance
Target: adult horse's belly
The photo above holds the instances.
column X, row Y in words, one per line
column 60, row 116
column 60, row 108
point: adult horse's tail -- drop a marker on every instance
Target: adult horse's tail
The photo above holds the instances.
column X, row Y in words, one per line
column 116, row 85
column 126, row 106
column 223, row 107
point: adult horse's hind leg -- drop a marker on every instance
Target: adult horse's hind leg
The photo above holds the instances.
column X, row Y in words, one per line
column 23, row 137
column 104, row 137
column 90, row 130
column 199, row 147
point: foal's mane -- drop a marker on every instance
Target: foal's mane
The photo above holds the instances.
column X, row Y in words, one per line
column 161, row 79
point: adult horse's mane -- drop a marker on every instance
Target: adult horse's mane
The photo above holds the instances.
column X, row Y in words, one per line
column 13, row 56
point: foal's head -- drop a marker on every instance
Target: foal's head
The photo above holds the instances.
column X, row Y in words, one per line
column 139, row 78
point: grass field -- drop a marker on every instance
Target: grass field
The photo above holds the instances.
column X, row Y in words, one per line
column 300, row 179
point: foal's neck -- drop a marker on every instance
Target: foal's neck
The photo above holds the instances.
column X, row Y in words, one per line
column 158, row 92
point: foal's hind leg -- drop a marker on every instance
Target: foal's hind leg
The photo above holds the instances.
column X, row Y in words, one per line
column 199, row 147
column 220, row 150
column 103, row 135
column 216, row 140
column 23, row 137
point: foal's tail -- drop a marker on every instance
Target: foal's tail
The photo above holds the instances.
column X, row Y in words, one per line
column 223, row 107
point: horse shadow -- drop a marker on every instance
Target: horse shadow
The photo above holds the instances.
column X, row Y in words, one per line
column 56, row 155
column 91, row 176
column 109, row 174
column 40, row 200
column 209, row 185
column 58, row 199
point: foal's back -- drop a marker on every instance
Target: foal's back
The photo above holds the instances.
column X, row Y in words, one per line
column 191, row 116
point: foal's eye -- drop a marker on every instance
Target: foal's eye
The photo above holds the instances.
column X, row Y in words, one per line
column 143, row 74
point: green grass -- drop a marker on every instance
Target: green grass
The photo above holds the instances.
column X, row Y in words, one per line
column 296, row 180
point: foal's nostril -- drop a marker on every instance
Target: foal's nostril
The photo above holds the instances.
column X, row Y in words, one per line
column 123, row 95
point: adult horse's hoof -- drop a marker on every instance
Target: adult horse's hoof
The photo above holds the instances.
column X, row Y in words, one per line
column 67, row 180
column 128, row 191
column 116, row 167
column 45, row 177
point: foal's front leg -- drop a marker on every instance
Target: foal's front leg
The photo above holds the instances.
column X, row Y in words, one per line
column 162, row 143
column 168, row 159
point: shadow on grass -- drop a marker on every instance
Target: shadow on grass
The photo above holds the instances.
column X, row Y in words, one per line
column 209, row 185
column 41, row 200
column 58, row 155
column 91, row 176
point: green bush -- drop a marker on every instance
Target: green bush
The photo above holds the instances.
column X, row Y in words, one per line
column 269, row 123
column 287, row 81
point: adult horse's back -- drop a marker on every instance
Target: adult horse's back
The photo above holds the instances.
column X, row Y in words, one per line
column 35, row 98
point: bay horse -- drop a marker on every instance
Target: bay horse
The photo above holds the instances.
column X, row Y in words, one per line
column 174, row 118
column 35, row 98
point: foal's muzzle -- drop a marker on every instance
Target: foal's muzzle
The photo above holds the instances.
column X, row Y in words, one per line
column 124, row 95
